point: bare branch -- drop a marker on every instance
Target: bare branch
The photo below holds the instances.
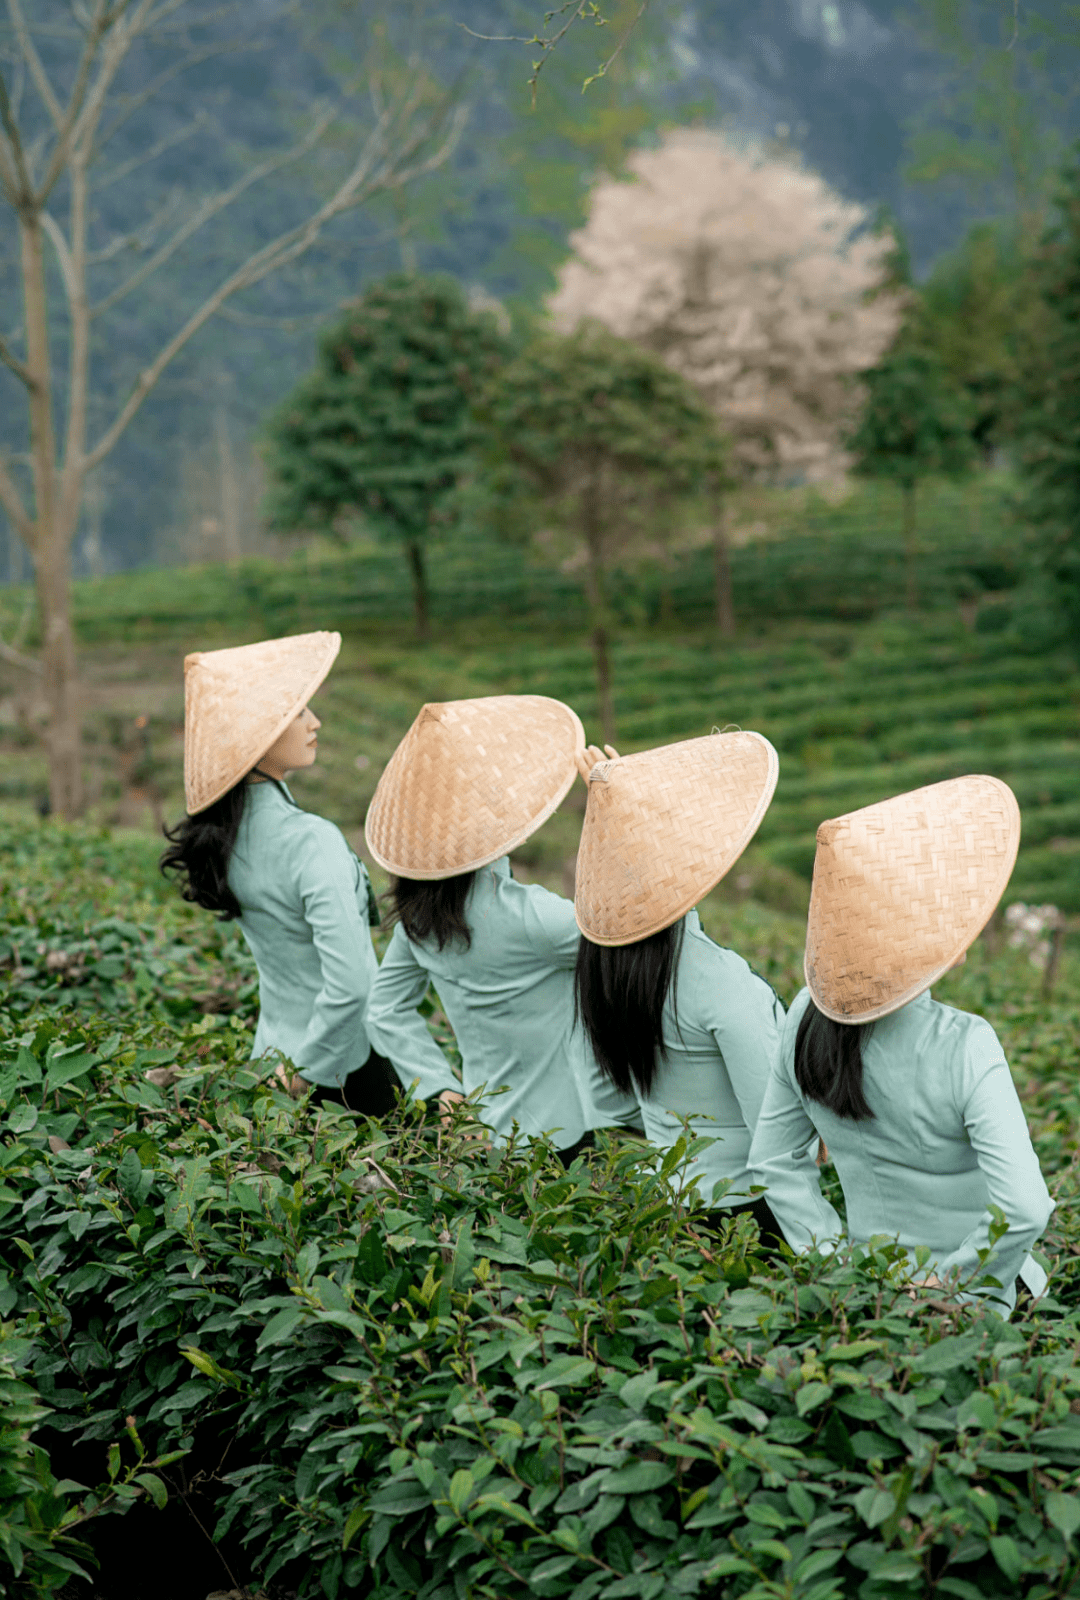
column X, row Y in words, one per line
column 141, row 238
column 618, row 50
column 63, row 255
column 169, row 142
column 363, row 181
column 28, row 51
column 22, row 190
column 137, row 101
column 15, row 657
column 11, row 360
column 11, row 501
column 580, row 11
column 66, row 128
column 211, row 208
column 86, row 105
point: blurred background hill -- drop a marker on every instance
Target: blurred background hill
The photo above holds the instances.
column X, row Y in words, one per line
column 888, row 603
column 879, row 97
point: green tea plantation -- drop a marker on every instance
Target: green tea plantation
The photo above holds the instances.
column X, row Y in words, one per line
column 253, row 1348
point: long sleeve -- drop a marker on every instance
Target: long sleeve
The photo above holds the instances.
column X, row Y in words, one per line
column 747, row 1025
column 396, row 1027
column 551, row 926
column 783, row 1154
column 997, row 1130
column 335, row 1041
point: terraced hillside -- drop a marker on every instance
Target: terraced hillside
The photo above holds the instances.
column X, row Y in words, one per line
column 860, row 698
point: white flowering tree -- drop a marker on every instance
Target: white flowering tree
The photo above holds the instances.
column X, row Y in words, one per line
column 753, row 279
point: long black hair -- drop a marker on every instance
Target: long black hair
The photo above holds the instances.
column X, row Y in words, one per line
column 431, row 909
column 619, row 998
column 829, row 1064
column 201, row 847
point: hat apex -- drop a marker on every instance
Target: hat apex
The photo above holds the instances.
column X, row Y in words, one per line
column 901, row 889
column 470, row 781
column 239, row 701
column 662, row 827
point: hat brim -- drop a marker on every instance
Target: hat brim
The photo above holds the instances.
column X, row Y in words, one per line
column 919, row 976
column 686, row 879
column 397, row 793
column 250, row 757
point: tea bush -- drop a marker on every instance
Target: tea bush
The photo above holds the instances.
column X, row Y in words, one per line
column 398, row 1363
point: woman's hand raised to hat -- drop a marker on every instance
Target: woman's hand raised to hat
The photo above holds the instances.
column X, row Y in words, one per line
column 587, row 758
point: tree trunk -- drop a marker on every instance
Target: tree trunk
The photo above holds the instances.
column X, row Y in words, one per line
column 725, row 598
column 911, row 548
column 51, row 543
column 597, row 598
column 418, row 572
column 60, row 677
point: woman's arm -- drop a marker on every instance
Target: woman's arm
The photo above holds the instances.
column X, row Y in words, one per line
column 335, row 1042
column 396, row 1027
column 551, row 926
column 997, row 1130
column 783, row 1154
column 746, row 1019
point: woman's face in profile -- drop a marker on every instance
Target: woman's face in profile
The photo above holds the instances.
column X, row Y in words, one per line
column 297, row 747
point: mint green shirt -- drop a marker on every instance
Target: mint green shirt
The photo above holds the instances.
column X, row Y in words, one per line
column 510, row 1001
column 304, row 899
column 721, row 1028
column 948, row 1140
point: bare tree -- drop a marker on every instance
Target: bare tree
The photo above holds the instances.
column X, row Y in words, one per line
column 62, row 101
column 749, row 276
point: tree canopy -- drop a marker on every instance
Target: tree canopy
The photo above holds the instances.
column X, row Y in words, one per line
column 591, row 436
column 383, row 427
column 1051, row 446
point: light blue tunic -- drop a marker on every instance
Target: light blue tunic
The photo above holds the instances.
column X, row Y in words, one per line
column 304, row 897
column 948, row 1139
column 510, row 1002
column 721, row 1028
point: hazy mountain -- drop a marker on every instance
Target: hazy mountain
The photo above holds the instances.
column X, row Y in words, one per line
column 841, row 81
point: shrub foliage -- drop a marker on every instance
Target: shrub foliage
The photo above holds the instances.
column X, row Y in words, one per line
column 426, row 1368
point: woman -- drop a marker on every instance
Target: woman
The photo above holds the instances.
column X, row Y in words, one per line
column 245, row 850
column 471, row 780
column 680, row 1023
column 913, row 1098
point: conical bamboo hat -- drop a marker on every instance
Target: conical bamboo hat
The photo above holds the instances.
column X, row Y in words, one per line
column 470, row 781
column 901, row 889
column 238, row 702
column 663, row 827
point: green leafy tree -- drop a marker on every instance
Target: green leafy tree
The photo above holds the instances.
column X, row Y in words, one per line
column 594, row 438
column 382, row 428
column 978, row 314
column 915, row 424
column 1051, row 448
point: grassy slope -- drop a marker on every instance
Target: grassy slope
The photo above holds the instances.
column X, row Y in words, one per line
column 860, row 699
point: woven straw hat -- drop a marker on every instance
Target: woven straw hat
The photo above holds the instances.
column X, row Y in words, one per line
column 470, row 781
column 900, row 891
column 237, row 703
column 663, row 827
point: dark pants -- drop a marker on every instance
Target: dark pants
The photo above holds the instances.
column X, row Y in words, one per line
column 588, row 1142
column 370, row 1090
column 570, row 1152
column 768, row 1227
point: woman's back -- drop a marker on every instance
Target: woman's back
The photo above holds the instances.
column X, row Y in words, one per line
column 304, row 901
column 947, row 1140
column 721, row 1030
column 509, row 1000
